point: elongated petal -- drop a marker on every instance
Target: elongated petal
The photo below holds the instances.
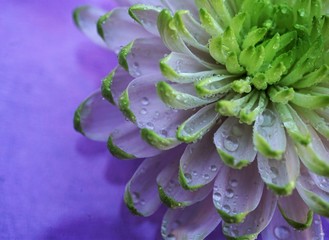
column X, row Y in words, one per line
column 294, row 210
column 172, row 193
column 96, row 118
column 315, row 156
column 110, row 28
column 321, row 182
column 269, row 136
column 280, row 175
column 134, row 148
column 149, row 112
column 314, row 197
column 194, row 222
column 182, row 68
column 179, row 96
column 141, row 193
column 237, row 193
column 174, row 6
column 256, row 221
column 279, row 229
column 199, row 164
column 142, row 56
column 114, row 84
column 198, row 124
column 86, row 18
column 234, row 143
column 146, row 15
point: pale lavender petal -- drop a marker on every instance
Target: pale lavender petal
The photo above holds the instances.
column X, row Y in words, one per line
column 111, row 25
column 172, row 193
column 280, row 175
column 150, row 112
column 295, row 211
column 237, row 192
column 234, row 143
column 256, row 221
column 157, row 3
column 199, row 164
column 278, row 229
column 314, row 197
column 194, row 222
column 96, row 118
column 135, row 147
column 86, row 18
column 175, row 5
column 321, row 182
column 141, row 195
column 143, row 56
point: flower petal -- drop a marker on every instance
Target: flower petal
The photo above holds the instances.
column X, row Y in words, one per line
column 86, row 18
column 110, row 27
column 174, row 42
column 141, row 193
column 295, row 211
column 179, row 96
column 256, row 221
column 321, row 182
column 269, row 136
column 146, row 15
column 175, row 6
column 199, row 164
column 143, row 106
column 280, row 175
column 96, row 118
column 198, row 124
column 114, row 84
column 142, row 56
column 157, row 3
column 314, row 197
column 134, row 148
column 234, row 143
column 182, row 68
column 237, row 192
column 279, row 229
column 194, row 222
column 315, row 155
column 171, row 192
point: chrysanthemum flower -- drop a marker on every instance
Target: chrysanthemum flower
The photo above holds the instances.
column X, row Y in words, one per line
column 227, row 101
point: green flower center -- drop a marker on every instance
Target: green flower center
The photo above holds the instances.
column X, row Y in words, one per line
column 275, row 52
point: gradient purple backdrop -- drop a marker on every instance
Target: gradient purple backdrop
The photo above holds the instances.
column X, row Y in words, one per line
column 54, row 183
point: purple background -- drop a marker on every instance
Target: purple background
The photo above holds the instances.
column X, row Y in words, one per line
column 54, row 183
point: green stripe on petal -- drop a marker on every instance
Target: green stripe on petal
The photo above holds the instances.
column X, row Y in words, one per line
column 106, row 87
column 124, row 106
column 198, row 124
column 157, row 140
column 122, row 57
column 179, row 100
column 118, row 152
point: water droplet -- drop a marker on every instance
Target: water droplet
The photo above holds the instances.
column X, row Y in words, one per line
column 143, row 111
column 275, row 171
column 231, row 143
column 170, row 237
column 194, row 173
column 268, row 118
column 142, row 202
column 145, row 101
column 150, row 125
column 233, row 182
column 281, row 232
column 227, row 208
column 213, row 168
column 237, row 131
column 164, row 133
column 135, row 197
column 229, row 193
column 206, row 176
column 217, row 196
column 188, row 177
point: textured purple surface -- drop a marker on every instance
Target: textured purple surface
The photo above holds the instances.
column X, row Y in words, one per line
column 55, row 184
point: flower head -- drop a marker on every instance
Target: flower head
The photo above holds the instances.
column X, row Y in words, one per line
column 228, row 102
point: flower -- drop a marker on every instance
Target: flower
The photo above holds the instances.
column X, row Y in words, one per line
column 228, row 103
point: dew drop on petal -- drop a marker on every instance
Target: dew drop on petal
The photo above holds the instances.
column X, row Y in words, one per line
column 170, row 237
column 188, row 177
column 233, row 182
column 143, row 111
column 268, row 118
column 231, row 143
column 206, row 176
column 217, row 196
column 135, row 197
column 145, row 101
column 227, row 208
column 281, row 232
column 229, row 193
column 213, row 168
